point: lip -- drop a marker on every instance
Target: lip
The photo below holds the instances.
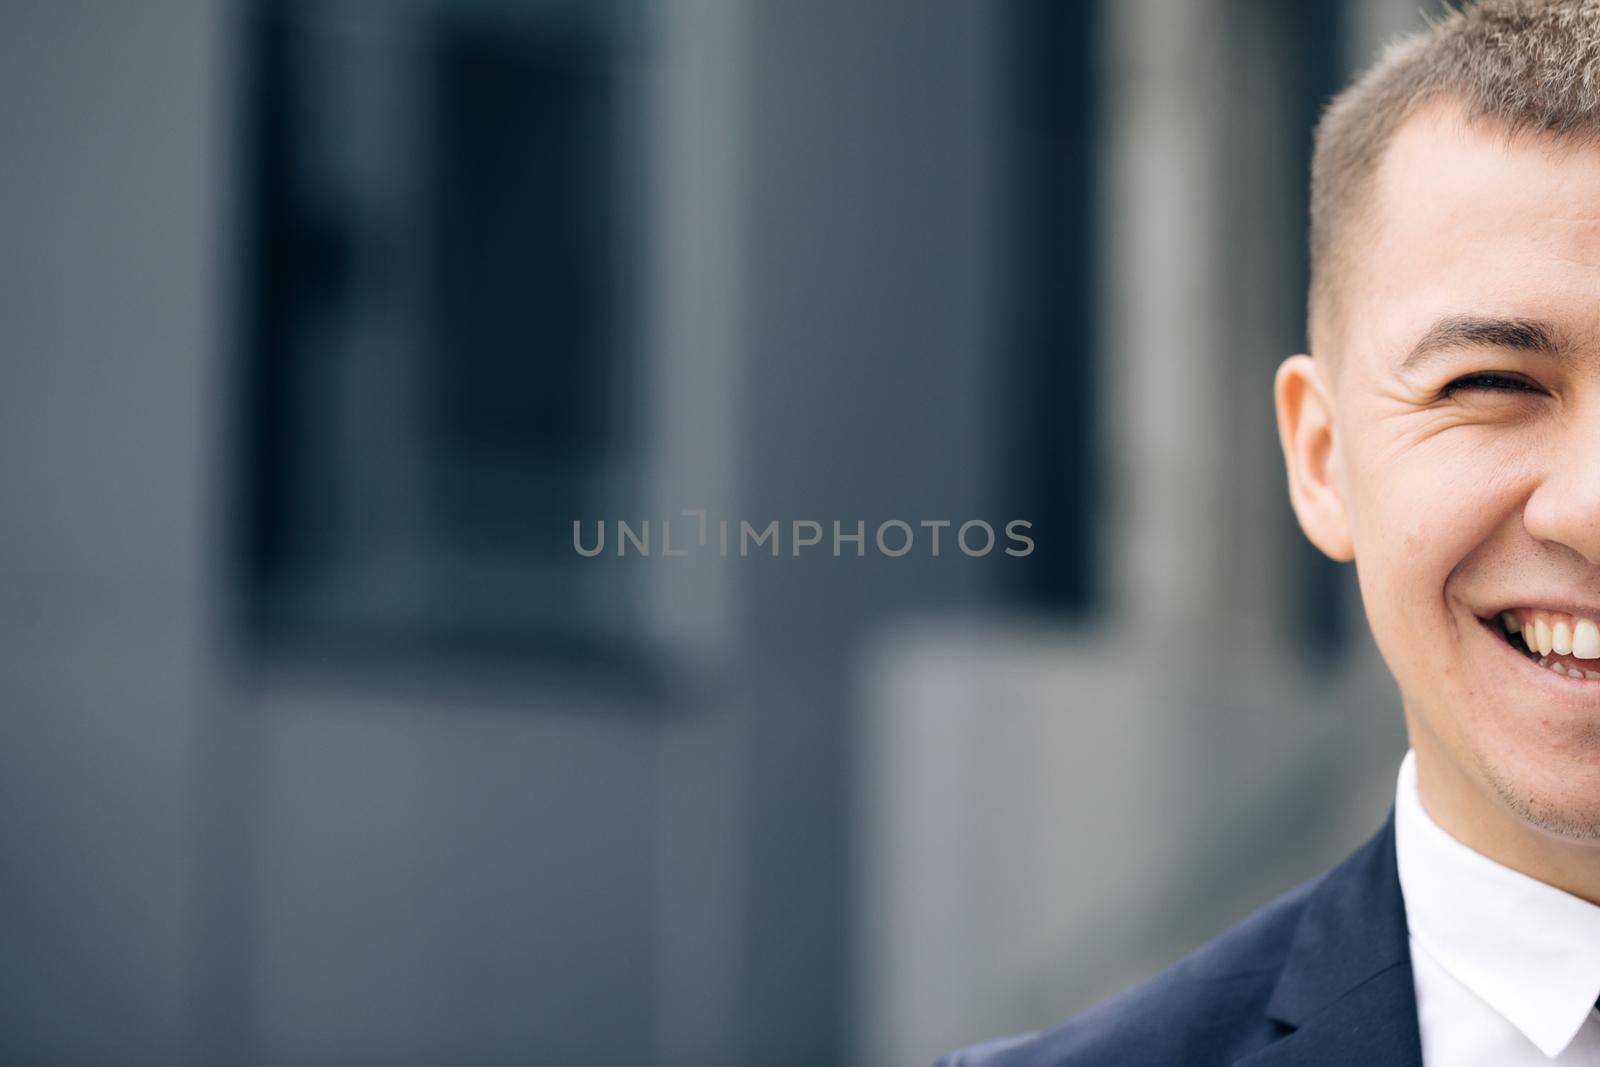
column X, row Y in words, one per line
column 1556, row 604
column 1578, row 694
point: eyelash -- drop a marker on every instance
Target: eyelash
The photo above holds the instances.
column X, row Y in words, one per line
column 1496, row 383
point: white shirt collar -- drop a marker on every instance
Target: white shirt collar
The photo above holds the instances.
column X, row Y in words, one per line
column 1528, row 950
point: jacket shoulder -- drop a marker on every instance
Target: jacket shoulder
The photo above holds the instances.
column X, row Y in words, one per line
column 1209, row 1008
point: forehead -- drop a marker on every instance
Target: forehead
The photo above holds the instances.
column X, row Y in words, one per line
column 1463, row 220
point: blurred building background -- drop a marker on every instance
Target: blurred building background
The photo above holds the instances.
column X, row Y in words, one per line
column 322, row 320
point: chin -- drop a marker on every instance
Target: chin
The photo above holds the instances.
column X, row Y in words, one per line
column 1556, row 791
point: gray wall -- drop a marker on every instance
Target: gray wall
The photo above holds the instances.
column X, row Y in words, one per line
column 108, row 117
column 871, row 343
column 440, row 875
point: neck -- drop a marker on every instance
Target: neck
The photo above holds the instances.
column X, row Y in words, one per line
column 1475, row 815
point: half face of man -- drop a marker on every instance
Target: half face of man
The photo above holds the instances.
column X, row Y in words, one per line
column 1450, row 443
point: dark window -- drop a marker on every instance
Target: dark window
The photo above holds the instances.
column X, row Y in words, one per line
column 1054, row 459
column 439, row 302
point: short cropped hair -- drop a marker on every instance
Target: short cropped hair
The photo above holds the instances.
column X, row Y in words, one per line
column 1531, row 66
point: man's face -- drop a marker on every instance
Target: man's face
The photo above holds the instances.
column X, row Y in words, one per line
column 1463, row 467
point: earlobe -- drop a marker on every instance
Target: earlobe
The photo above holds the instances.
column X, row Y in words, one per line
column 1306, row 431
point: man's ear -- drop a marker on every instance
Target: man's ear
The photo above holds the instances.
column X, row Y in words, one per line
column 1305, row 429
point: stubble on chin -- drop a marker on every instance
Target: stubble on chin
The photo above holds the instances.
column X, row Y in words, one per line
column 1572, row 820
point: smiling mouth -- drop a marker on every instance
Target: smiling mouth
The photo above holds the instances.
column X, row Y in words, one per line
column 1565, row 644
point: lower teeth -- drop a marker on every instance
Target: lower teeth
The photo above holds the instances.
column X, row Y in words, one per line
column 1570, row 672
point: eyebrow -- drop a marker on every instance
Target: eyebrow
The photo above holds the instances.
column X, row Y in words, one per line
column 1477, row 331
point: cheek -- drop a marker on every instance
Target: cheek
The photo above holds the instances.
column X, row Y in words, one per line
column 1420, row 509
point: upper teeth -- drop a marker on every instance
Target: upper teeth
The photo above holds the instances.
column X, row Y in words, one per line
column 1553, row 631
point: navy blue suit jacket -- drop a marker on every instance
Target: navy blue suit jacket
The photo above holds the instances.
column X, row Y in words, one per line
column 1321, row 976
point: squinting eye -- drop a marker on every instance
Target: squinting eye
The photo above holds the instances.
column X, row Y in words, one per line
column 1493, row 383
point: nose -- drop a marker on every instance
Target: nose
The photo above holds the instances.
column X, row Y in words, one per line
column 1565, row 508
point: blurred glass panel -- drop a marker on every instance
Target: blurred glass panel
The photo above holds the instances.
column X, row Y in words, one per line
column 441, row 295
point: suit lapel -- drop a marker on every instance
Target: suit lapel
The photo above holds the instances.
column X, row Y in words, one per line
column 1374, row 1025
column 1345, row 994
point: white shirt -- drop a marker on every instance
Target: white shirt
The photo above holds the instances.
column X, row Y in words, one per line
column 1506, row 968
